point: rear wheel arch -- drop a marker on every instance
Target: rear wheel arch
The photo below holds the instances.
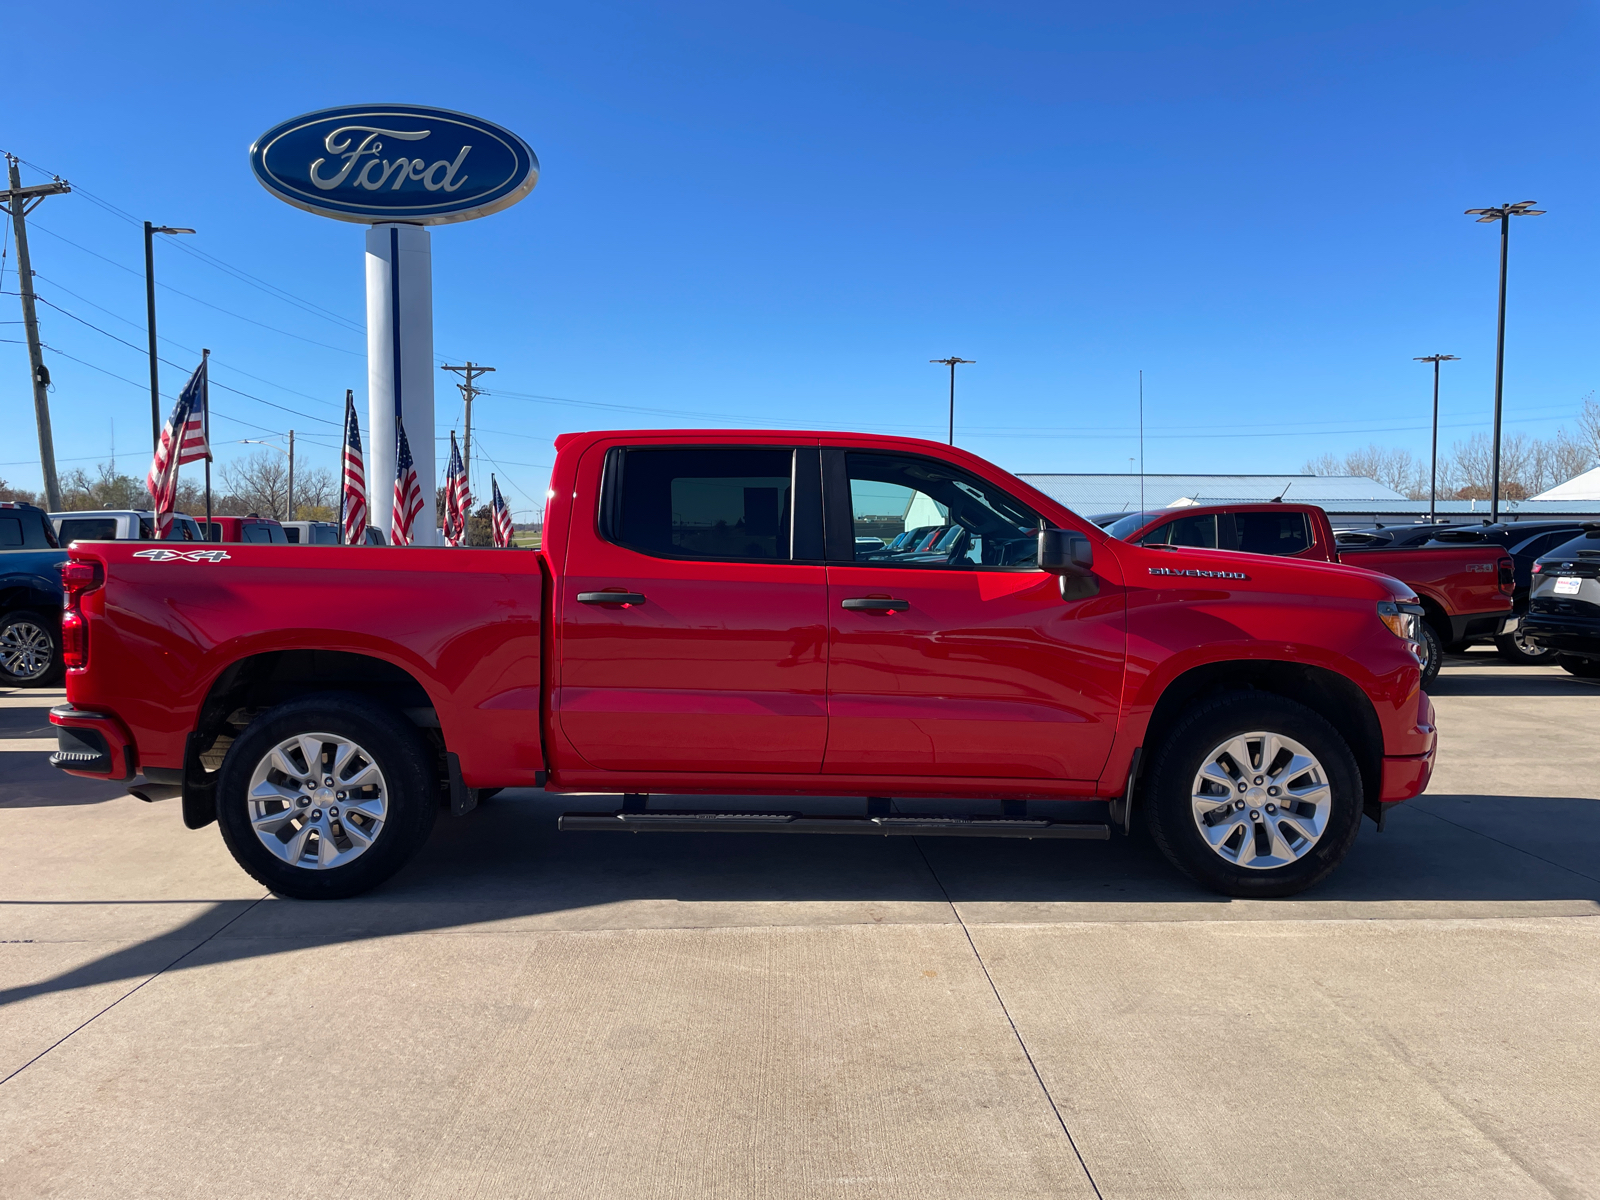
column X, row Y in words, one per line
column 257, row 683
column 1332, row 696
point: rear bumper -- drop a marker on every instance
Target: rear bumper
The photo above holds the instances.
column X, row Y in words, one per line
column 1575, row 635
column 92, row 744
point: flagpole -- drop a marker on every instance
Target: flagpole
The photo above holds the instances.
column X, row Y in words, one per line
column 344, row 497
column 205, row 368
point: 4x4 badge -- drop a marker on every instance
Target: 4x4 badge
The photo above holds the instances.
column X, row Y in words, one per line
column 183, row 555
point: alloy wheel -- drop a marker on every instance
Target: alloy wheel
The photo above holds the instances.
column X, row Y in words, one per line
column 318, row 800
column 1261, row 800
column 26, row 652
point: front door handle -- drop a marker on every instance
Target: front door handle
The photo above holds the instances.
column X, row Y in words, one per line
column 625, row 599
column 875, row 604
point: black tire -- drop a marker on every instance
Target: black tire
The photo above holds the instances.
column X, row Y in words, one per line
column 1514, row 649
column 26, row 637
column 394, row 746
column 1185, row 750
column 1432, row 655
column 1583, row 668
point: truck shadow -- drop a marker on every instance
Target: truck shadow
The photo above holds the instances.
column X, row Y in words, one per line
column 508, row 866
column 1484, row 676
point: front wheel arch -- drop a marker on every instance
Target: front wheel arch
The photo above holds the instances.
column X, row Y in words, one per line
column 1332, row 696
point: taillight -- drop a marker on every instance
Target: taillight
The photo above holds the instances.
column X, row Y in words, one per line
column 1508, row 578
column 77, row 577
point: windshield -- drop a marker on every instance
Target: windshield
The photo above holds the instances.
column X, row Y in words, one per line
column 1131, row 523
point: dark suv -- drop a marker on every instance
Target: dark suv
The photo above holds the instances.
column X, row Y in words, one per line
column 1564, row 604
column 30, row 597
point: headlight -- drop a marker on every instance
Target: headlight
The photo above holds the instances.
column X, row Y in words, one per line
column 1403, row 620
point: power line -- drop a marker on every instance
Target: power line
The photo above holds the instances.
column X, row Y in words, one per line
column 215, row 362
column 239, row 273
column 217, row 307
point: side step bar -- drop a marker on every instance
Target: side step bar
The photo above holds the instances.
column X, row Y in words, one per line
column 910, row 825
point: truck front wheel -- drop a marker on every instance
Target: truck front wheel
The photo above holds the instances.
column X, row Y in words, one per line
column 326, row 796
column 1254, row 795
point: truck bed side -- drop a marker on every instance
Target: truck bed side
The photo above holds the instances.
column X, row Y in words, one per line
column 454, row 632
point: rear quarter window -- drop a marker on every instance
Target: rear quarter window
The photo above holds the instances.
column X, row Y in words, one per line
column 10, row 533
column 1272, row 533
column 88, row 529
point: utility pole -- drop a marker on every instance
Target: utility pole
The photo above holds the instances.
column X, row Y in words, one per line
column 1487, row 216
column 469, row 371
column 19, row 202
column 291, row 476
column 952, row 362
column 1433, row 479
column 150, row 324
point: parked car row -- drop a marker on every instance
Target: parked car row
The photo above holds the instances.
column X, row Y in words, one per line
column 1465, row 590
column 1463, row 574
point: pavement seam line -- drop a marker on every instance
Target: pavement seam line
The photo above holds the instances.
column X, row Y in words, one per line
column 1006, row 1012
column 64, row 1037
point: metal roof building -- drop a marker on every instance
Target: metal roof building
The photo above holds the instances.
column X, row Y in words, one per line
column 1351, row 501
column 1091, row 494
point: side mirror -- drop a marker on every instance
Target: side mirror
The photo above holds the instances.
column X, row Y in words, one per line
column 1064, row 552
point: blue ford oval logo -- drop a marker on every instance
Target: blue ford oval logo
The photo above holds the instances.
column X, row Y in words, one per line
column 394, row 162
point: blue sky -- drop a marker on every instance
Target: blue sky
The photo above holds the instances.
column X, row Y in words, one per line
column 776, row 214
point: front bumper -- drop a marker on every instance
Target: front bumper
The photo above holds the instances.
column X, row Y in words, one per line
column 1405, row 776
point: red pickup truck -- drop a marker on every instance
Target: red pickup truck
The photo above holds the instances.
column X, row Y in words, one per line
column 1465, row 589
column 724, row 613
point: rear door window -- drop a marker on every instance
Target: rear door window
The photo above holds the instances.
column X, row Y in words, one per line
column 729, row 503
column 10, row 532
column 1272, row 532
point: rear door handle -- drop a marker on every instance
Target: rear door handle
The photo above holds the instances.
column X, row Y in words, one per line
column 626, row 599
column 875, row 604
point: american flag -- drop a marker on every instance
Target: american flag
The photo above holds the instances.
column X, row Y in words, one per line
column 457, row 501
column 501, row 516
column 353, row 502
column 407, row 489
column 183, row 440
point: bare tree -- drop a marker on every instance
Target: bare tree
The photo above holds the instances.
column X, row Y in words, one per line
column 315, row 497
column 18, row 495
column 1589, row 429
column 1393, row 467
column 259, row 484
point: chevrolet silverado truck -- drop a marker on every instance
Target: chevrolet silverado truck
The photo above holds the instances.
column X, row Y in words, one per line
column 724, row 613
column 1465, row 589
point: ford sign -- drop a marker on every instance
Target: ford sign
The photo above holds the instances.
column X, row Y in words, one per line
column 394, row 162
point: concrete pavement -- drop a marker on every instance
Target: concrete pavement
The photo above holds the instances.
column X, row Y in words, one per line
column 523, row 1012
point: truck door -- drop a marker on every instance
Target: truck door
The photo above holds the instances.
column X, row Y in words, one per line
column 963, row 659
column 692, row 612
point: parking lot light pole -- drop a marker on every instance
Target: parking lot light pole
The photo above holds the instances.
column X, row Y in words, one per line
column 1433, row 477
column 150, row 323
column 1503, row 214
column 952, row 362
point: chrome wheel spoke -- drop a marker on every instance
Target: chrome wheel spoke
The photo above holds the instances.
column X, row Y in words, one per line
column 282, row 793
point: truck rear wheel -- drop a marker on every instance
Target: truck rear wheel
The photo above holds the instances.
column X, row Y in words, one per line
column 1254, row 795
column 326, row 796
